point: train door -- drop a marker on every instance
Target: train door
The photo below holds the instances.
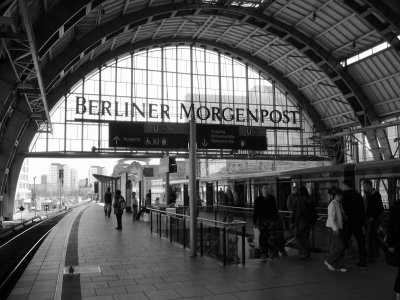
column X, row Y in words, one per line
column 283, row 192
column 209, row 194
column 241, row 191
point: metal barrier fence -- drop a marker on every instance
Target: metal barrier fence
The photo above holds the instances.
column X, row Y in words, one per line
column 224, row 241
column 226, row 232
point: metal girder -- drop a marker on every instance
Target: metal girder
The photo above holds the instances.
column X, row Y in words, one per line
column 283, row 8
column 350, row 43
column 206, row 25
column 364, row 129
column 381, row 79
column 265, row 5
column 108, row 153
column 282, row 57
column 339, row 75
column 389, row 30
column 334, row 26
column 329, row 64
column 311, row 13
column 37, row 102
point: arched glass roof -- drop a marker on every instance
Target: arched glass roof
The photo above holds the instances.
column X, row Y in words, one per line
column 139, row 87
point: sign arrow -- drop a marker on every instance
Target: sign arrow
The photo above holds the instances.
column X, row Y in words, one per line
column 204, row 143
column 116, row 139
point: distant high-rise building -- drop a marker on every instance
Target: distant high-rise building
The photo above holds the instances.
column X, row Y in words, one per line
column 23, row 193
column 67, row 183
column 95, row 170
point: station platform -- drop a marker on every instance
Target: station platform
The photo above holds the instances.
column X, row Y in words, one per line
column 135, row 264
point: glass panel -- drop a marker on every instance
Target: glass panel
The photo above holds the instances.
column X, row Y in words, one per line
column 126, row 92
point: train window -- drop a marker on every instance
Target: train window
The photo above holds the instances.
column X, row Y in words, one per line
column 319, row 191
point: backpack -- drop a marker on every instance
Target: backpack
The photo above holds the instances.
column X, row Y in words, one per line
column 121, row 203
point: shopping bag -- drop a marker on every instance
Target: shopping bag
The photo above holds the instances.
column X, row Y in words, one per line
column 256, row 238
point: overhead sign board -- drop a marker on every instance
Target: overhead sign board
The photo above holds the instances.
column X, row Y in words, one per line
column 210, row 136
column 148, row 135
column 148, row 172
column 176, row 136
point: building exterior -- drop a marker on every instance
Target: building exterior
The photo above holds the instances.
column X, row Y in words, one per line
column 23, row 194
column 68, row 183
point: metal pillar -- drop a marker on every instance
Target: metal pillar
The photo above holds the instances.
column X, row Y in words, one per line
column 192, row 189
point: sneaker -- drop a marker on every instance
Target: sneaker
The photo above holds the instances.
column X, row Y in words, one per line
column 361, row 266
column 330, row 267
column 343, row 270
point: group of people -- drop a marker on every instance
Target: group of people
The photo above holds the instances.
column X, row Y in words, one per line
column 349, row 214
column 229, row 198
column 119, row 205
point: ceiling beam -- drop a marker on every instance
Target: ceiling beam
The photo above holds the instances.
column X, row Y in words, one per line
column 31, row 40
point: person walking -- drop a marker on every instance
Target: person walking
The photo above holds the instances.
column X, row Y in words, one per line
column 373, row 211
column 393, row 240
column 291, row 200
column 107, row 203
column 119, row 206
column 134, row 206
column 265, row 216
column 335, row 258
column 304, row 217
column 353, row 205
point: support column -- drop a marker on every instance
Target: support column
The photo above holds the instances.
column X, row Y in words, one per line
column 192, row 189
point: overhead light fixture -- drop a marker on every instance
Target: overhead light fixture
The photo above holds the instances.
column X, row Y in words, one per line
column 314, row 16
column 353, row 45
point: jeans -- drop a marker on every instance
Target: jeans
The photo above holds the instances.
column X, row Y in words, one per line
column 358, row 233
column 337, row 249
column 119, row 219
column 371, row 236
column 107, row 210
column 302, row 236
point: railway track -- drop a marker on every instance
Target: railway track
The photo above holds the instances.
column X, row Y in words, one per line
column 18, row 250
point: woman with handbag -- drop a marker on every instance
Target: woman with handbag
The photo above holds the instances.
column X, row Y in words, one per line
column 393, row 241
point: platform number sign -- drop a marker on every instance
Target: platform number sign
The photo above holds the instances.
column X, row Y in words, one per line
column 46, row 207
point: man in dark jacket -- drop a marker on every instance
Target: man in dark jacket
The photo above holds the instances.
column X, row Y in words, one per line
column 373, row 211
column 265, row 216
column 353, row 205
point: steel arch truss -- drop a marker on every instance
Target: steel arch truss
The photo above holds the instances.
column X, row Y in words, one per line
column 322, row 59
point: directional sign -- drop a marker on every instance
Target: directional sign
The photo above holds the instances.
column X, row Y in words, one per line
column 176, row 136
column 230, row 137
column 148, row 135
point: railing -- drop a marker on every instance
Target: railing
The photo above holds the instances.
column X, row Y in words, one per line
column 222, row 240
column 226, row 232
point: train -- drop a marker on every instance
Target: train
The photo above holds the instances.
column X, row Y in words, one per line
column 385, row 177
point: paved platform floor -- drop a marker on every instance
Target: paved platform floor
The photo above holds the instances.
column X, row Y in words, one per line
column 135, row 264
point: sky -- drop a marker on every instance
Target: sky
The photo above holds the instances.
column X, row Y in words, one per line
column 39, row 166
